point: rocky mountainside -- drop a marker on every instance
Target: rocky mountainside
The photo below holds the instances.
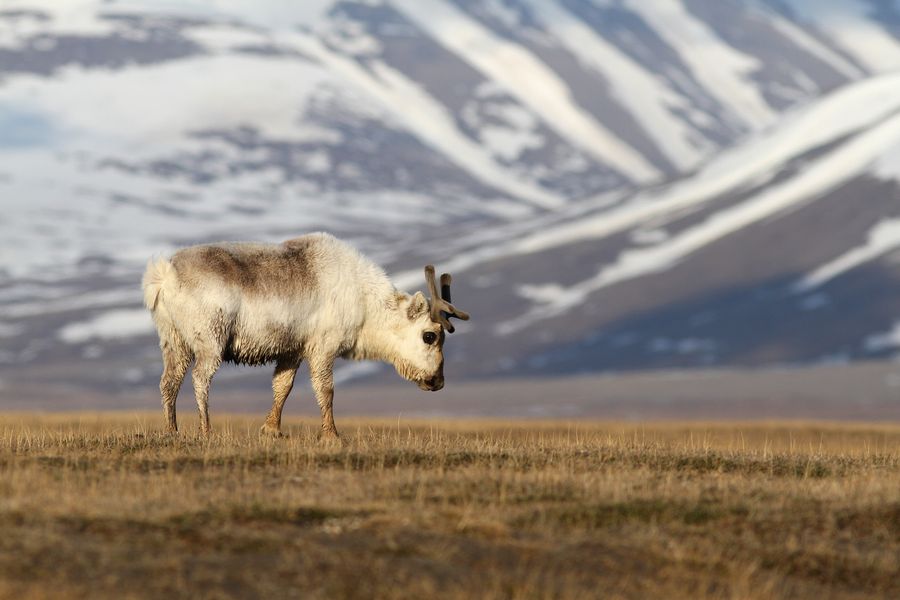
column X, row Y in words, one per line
column 617, row 184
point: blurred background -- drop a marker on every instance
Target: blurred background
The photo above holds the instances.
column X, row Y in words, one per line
column 652, row 208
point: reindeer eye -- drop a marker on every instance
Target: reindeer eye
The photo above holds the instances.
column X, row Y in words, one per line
column 429, row 337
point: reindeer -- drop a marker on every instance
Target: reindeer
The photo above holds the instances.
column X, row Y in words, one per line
column 312, row 298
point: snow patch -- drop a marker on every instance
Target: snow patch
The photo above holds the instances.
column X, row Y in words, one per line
column 649, row 100
column 139, row 111
column 883, row 341
column 809, row 43
column 829, row 171
column 224, row 37
column 349, row 372
column 350, row 37
column 524, row 76
column 272, row 14
column 508, row 143
column 883, row 238
column 850, row 109
column 648, row 236
column 663, row 345
column 69, row 301
column 428, row 119
column 726, row 76
column 815, row 301
column 9, row 330
column 852, row 27
column 72, row 17
column 112, row 325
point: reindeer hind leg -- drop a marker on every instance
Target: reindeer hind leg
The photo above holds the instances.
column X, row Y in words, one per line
column 204, row 369
column 176, row 360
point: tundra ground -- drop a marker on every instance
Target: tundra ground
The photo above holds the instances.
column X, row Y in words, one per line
column 108, row 506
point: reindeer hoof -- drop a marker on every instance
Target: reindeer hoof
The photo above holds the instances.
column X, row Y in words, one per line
column 270, row 431
column 330, row 439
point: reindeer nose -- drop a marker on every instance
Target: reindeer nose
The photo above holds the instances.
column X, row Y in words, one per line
column 435, row 383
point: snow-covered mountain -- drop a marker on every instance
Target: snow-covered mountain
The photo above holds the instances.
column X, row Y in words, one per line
column 617, row 184
column 783, row 249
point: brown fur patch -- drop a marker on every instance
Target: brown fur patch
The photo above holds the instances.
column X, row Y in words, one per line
column 254, row 268
column 393, row 302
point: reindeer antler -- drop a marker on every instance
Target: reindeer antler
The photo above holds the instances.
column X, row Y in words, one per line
column 441, row 309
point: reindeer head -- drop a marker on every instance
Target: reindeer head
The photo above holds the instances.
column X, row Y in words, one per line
column 423, row 335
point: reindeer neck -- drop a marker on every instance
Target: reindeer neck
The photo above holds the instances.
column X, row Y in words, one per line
column 378, row 338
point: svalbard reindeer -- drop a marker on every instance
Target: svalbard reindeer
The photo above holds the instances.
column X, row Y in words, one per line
column 312, row 298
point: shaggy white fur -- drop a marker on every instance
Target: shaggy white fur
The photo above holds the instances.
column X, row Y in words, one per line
column 312, row 298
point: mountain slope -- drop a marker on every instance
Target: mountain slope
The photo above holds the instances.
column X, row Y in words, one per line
column 596, row 172
column 784, row 249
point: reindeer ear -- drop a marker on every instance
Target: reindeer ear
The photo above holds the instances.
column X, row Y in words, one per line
column 418, row 306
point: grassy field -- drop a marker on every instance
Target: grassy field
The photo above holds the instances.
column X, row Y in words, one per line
column 106, row 506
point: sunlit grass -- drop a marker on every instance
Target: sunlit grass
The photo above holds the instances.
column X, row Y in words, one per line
column 93, row 504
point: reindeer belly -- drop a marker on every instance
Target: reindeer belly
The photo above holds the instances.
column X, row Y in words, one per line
column 266, row 329
column 261, row 346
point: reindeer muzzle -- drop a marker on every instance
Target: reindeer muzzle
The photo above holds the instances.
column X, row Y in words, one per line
column 433, row 384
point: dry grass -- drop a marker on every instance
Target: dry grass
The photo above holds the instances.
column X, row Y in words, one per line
column 106, row 506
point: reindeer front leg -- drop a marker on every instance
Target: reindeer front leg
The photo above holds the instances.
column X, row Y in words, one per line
column 321, row 372
column 282, row 383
